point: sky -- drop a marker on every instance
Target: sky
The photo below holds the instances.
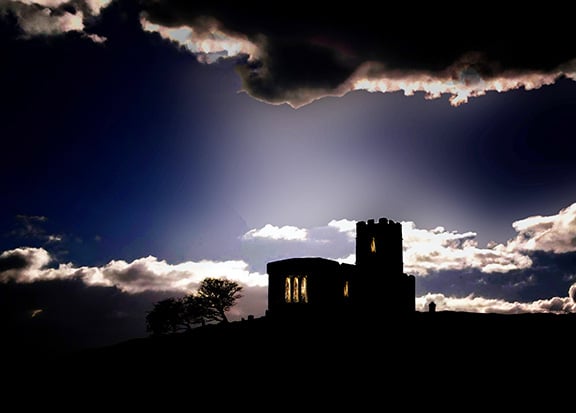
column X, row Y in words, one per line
column 150, row 144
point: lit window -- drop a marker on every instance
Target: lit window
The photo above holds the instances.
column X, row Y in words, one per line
column 296, row 289
column 304, row 289
column 296, row 295
column 346, row 289
column 373, row 245
column 288, row 290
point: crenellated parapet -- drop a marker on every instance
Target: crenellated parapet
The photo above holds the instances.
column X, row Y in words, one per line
column 376, row 284
column 379, row 245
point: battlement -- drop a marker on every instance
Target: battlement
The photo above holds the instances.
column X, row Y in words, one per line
column 312, row 285
column 372, row 222
column 379, row 245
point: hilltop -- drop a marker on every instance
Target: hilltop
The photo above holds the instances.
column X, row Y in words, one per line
column 340, row 362
column 448, row 335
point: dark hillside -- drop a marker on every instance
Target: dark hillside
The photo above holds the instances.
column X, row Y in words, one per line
column 451, row 351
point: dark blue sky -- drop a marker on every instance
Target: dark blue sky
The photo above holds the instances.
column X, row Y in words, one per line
column 132, row 148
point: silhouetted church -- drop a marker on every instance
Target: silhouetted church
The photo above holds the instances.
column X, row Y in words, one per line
column 376, row 285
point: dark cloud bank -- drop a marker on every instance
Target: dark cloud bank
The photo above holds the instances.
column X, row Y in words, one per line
column 288, row 54
column 303, row 53
column 62, row 315
column 296, row 53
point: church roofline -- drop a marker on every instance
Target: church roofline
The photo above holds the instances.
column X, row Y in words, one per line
column 303, row 259
column 305, row 264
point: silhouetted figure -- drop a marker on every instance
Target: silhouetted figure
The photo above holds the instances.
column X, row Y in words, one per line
column 432, row 307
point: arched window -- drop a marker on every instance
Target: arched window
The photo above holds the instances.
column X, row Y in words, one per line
column 296, row 289
column 288, row 290
column 304, row 289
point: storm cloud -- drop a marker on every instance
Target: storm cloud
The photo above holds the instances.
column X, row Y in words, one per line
column 54, row 17
column 296, row 55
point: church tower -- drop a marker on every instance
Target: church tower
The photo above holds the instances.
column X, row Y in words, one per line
column 379, row 246
column 380, row 284
column 376, row 287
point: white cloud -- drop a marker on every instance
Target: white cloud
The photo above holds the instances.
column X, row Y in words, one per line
column 287, row 232
column 489, row 305
column 572, row 293
column 271, row 243
column 96, row 6
column 206, row 39
column 350, row 259
column 553, row 233
column 344, row 225
column 27, row 265
column 151, row 274
column 438, row 249
column 460, row 81
column 46, row 3
column 95, row 38
column 48, row 17
column 23, row 264
column 427, row 251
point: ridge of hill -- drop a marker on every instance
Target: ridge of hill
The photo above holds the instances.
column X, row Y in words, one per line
column 443, row 333
column 250, row 362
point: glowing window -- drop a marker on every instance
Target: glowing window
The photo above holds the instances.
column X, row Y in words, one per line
column 288, row 290
column 296, row 285
column 296, row 289
column 346, row 289
column 304, row 289
column 373, row 245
